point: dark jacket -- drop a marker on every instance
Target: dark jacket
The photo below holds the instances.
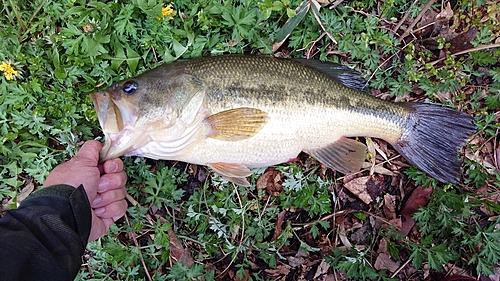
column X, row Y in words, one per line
column 46, row 236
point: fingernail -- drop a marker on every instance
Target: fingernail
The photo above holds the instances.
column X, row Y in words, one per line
column 97, row 200
column 103, row 185
column 99, row 211
column 112, row 167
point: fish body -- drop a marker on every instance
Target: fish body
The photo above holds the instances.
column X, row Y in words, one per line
column 237, row 112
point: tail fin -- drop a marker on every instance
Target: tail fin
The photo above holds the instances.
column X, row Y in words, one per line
column 432, row 138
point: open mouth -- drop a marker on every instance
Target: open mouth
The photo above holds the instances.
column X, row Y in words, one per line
column 110, row 120
column 117, row 123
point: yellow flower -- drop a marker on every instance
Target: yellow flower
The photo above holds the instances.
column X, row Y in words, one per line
column 9, row 71
column 167, row 11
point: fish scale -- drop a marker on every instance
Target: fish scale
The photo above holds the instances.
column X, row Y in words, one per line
column 236, row 112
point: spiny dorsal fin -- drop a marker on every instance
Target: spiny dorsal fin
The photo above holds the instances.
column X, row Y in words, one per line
column 233, row 172
column 236, row 124
column 342, row 74
column 345, row 155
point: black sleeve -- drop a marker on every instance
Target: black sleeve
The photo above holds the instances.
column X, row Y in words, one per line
column 45, row 237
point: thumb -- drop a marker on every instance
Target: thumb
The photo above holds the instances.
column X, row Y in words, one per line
column 88, row 155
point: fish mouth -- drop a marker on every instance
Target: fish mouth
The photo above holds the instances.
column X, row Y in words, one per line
column 116, row 121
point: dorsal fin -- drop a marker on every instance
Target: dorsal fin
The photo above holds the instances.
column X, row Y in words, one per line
column 342, row 74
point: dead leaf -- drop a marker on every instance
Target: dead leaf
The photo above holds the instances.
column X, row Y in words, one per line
column 343, row 236
column 377, row 169
column 454, row 271
column 384, row 261
column 357, row 187
column 417, row 198
column 390, row 206
column 322, row 269
column 177, row 252
column 294, row 261
column 396, row 222
column 25, row 191
column 291, row 23
column 360, row 235
column 279, row 223
column 462, row 41
column 482, row 159
column 281, row 270
column 271, row 182
column 444, row 17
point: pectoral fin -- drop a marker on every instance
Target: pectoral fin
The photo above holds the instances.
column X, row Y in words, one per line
column 233, row 172
column 345, row 155
column 236, row 124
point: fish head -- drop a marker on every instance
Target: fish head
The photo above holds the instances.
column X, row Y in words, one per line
column 156, row 106
column 127, row 112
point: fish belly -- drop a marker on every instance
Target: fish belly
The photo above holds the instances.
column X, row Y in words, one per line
column 288, row 132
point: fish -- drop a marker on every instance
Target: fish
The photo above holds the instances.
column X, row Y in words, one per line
column 237, row 112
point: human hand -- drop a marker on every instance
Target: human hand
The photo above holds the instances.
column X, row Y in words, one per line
column 103, row 183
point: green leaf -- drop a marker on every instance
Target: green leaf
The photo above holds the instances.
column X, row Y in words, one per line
column 132, row 59
column 287, row 29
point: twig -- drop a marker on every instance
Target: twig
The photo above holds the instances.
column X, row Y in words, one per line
column 416, row 20
column 384, row 62
column 381, row 218
column 366, row 169
column 132, row 233
column 335, row 4
column 400, row 268
column 466, row 51
column 18, row 16
column 265, row 206
column 405, row 17
column 315, row 8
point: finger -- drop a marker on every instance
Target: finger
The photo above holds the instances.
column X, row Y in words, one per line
column 112, row 181
column 106, row 198
column 114, row 210
column 98, row 229
column 113, row 166
column 88, row 155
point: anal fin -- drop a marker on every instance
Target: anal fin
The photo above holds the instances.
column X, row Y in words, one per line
column 233, row 172
column 344, row 155
column 236, row 124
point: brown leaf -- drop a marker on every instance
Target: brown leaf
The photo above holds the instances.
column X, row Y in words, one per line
column 25, row 192
column 462, row 41
column 177, row 252
column 384, row 261
column 281, row 270
column 357, row 187
column 322, row 269
column 360, row 235
column 417, row 198
column 390, row 206
column 382, row 246
column 444, row 17
column 271, row 182
column 279, row 223
column 294, row 261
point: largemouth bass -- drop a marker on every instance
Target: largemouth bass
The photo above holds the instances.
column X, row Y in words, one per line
column 236, row 112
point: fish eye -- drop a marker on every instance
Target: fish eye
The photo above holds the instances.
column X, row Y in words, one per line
column 130, row 87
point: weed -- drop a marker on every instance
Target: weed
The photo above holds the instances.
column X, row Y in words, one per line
column 54, row 53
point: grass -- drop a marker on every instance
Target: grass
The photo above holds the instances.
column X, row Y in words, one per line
column 304, row 221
